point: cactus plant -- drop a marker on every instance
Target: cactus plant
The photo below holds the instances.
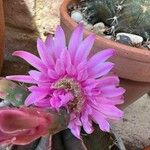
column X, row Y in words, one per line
column 12, row 92
column 132, row 16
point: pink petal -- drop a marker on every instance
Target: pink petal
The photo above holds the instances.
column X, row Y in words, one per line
column 44, row 103
column 89, row 82
column 52, row 74
column 38, row 76
column 100, row 70
column 65, row 58
column 55, row 102
column 75, row 129
column 82, row 75
column 66, row 98
column 59, row 41
column 71, row 70
column 59, row 67
column 22, row 78
column 49, row 43
column 39, row 89
column 111, row 91
column 116, row 100
column 75, row 40
column 111, row 111
column 82, row 66
column 110, row 101
column 87, row 124
column 35, row 97
column 102, row 122
column 84, row 49
column 31, row 59
column 100, row 57
column 44, row 53
column 107, row 81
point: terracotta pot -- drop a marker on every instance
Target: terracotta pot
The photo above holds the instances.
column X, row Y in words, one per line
column 1, row 33
column 147, row 148
column 131, row 64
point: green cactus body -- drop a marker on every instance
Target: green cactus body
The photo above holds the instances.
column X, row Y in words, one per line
column 12, row 92
column 16, row 96
column 132, row 16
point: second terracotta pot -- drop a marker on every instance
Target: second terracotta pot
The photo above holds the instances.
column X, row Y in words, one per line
column 131, row 64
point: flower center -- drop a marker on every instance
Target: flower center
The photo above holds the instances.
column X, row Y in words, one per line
column 69, row 84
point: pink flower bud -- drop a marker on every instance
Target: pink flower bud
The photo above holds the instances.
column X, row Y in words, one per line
column 23, row 125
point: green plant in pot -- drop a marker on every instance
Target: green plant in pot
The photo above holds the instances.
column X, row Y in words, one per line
column 131, row 17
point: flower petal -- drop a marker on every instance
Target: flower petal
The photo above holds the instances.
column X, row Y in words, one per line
column 65, row 58
column 100, row 70
column 65, row 98
column 55, row 102
column 44, row 103
column 111, row 91
column 38, row 76
column 49, row 43
column 107, row 81
column 75, row 129
column 31, row 59
column 87, row 123
column 102, row 122
column 75, row 40
column 35, row 97
column 59, row 67
column 110, row 101
column 111, row 111
column 52, row 74
column 44, row 53
column 71, row 70
column 59, row 41
column 84, row 49
column 100, row 57
column 39, row 89
column 22, row 78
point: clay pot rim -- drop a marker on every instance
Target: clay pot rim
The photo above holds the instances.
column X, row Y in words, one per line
column 138, row 54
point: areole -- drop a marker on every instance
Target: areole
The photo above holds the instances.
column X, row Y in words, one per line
column 131, row 64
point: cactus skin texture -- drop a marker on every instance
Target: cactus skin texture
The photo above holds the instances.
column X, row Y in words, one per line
column 12, row 92
column 131, row 16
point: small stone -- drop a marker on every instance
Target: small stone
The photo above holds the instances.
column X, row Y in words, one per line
column 77, row 16
column 124, row 39
column 87, row 25
column 148, row 46
column 108, row 37
column 99, row 28
column 128, row 38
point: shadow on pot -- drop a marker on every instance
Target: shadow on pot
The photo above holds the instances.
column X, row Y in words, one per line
column 20, row 34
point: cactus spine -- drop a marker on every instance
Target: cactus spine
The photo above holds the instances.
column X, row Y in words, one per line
column 132, row 16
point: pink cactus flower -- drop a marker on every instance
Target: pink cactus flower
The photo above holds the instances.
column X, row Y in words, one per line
column 23, row 125
column 65, row 76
